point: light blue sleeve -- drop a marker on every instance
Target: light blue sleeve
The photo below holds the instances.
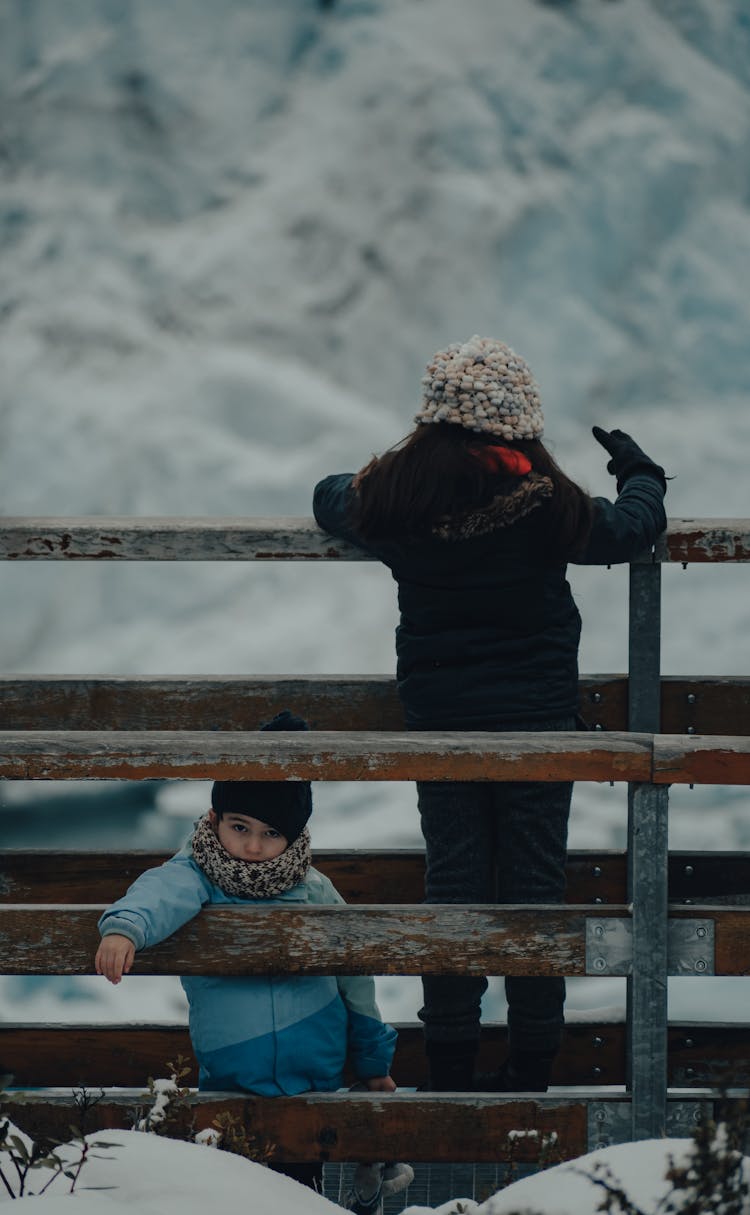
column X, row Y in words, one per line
column 159, row 902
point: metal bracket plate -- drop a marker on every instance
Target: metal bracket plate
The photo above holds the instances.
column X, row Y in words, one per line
column 691, row 946
column 611, row 1122
column 608, row 1122
column 609, row 946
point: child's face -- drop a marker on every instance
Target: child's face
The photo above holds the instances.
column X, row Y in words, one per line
column 247, row 838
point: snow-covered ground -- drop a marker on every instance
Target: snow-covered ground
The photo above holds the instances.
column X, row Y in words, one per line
column 157, row 1176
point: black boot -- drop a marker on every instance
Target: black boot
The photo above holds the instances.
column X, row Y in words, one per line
column 522, row 1072
column 451, row 1066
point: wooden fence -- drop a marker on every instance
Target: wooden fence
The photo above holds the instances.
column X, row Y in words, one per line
column 642, row 913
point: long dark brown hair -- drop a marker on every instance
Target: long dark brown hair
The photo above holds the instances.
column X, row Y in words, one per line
column 435, row 474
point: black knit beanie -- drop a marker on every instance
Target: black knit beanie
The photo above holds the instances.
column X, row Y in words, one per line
column 284, row 805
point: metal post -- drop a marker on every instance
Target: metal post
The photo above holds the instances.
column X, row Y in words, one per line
column 647, row 871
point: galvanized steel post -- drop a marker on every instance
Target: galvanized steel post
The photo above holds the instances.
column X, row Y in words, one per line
column 647, row 871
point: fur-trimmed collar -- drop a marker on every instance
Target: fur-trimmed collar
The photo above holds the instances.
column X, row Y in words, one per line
column 503, row 511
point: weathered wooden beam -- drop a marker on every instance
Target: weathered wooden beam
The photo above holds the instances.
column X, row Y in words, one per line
column 373, row 876
column 197, row 702
column 348, row 1126
column 364, row 876
column 323, row 755
column 701, row 540
column 701, row 704
column 165, row 539
column 115, row 538
column 701, row 760
column 240, row 940
column 125, row 1055
column 394, row 940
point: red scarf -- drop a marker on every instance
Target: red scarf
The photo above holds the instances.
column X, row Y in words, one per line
column 498, row 459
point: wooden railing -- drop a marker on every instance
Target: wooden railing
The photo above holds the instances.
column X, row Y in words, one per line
column 642, row 913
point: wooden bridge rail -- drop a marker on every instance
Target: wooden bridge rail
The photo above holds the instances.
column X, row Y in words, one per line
column 689, row 704
column 383, row 876
column 400, row 939
column 113, row 538
column 115, row 730
column 41, row 1055
column 660, row 759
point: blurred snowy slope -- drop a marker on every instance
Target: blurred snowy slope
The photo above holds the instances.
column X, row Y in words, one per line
column 230, row 237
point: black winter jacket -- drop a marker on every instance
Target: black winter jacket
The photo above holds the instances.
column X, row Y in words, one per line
column 489, row 630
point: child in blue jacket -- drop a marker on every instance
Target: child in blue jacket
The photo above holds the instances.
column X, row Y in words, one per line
column 272, row 1035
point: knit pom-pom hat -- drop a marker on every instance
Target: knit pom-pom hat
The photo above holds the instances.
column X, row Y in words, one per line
column 482, row 385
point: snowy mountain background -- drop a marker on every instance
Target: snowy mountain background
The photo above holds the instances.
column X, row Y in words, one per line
column 231, row 236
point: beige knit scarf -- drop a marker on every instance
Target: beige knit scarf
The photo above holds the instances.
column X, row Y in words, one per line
column 250, row 879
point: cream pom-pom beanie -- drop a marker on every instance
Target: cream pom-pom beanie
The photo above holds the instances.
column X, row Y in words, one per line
column 482, row 385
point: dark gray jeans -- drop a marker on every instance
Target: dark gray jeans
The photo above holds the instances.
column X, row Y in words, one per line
column 496, row 843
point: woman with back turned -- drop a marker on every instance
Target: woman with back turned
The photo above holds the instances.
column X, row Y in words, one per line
column 477, row 523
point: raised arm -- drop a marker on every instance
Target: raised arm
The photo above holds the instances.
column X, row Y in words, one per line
column 629, row 526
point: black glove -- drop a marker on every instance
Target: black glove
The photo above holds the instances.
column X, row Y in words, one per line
column 627, row 457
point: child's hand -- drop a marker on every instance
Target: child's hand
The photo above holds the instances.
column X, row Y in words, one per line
column 114, row 957
column 381, row 1084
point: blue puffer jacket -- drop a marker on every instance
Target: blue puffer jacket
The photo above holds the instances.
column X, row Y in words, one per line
column 275, row 1036
column 489, row 630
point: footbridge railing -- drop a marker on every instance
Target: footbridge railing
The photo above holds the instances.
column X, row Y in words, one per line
column 643, row 913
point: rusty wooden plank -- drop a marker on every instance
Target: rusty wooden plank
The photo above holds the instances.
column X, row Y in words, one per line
column 365, row 876
column 209, row 538
column 702, row 704
column 328, row 702
column 709, row 877
column 361, row 876
column 702, row 540
column 349, row 1126
column 193, row 702
column 234, row 940
column 323, row 755
column 202, row 702
column 378, row 876
column 705, row 705
column 701, row 760
column 711, row 1055
column 125, row 1055
column 40, row 1055
column 117, row 538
